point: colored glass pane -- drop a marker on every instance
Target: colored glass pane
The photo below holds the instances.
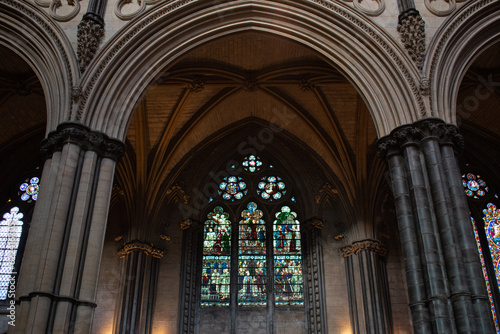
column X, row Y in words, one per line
column 252, row 164
column 252, row 257
column 288, row 284
column 232, row 188
column 271, row 188
column 475, row 187
column 485, row 274
column 11, row 228
column 216, row 266
column 29, row 190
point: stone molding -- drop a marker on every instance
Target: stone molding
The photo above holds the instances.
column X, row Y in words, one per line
column 364, row 245
column 140, row 246
column 90, row 33
column 411, row 28
column 79, row 134
column 445, row 41
column 414, row 134
column 55, row 5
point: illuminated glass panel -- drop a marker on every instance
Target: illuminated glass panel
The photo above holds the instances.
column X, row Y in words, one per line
column 252, row 258
column 232, row 188
column 271, row 188
column 288, row 284
column 485, row 274
column 252, row 164
column 216, row 266
column 474, row 186
column 11, row 228
column 29, row 190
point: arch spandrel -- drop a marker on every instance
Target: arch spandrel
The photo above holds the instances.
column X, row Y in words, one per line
column 47, row 50
column 464, row 34
column 367, row 56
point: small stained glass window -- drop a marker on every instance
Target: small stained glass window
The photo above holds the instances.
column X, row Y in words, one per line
column 11, row 228
column 233, row 188
column 271, row 188
column 288, row 285
column 252, row 258
column 29, row 190
column 474, row 186
column 215, row 284
column 252, row 164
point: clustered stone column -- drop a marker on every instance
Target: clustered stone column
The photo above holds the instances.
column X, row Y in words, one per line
column 58, row 277
column 141, row 263
column 446, row 288
column 368, row 289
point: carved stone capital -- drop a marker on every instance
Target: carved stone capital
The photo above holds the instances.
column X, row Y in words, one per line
column 411, row 28
column 186, row 223
column 90, row 33
column 414, row 134
column 79, row 134
column 140, row 246
column 364, row 245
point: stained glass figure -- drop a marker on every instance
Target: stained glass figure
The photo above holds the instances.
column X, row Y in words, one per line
column 252, row 258
column 11, row 228
column 216, row 266
column 232, row 188
column 271, row 188
column 288, row 284
column 485, row 274
column 29, row 191
column 252, row 164
column 475, row 187
column 492, row 227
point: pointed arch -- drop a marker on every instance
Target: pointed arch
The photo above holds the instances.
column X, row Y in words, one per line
column 471, row 29
column 369, row 57
column 46, row 49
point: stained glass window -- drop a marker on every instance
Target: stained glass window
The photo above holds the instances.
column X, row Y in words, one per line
column 252, row 258
column 288, row 285
column 271, row 188
column 215, row 284
column 262, row 267
column 252, row 164
column 10, row 233
column 474, row 186
column 233, row 188
column 485, row 274
column 29, row 190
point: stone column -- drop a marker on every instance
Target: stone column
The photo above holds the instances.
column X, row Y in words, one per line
column 442, row 264
column 139, row 282
column 58, row 276
column 369, row 301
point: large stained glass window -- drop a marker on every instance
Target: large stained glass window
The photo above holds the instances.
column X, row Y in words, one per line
column 215, row 281
column 263, row 266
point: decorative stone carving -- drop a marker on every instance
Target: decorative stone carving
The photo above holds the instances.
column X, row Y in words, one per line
column 134, row 10
column 425, row 86
column 140, row 246
column 89, row 140
column 452, row 5
column 411, row 27
column 369, row 11
column 185, row 224
column 307, row 85
column 90, row 33
column 196, row 86
column 414, row 133
column 358, row 246
column 70, row 8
